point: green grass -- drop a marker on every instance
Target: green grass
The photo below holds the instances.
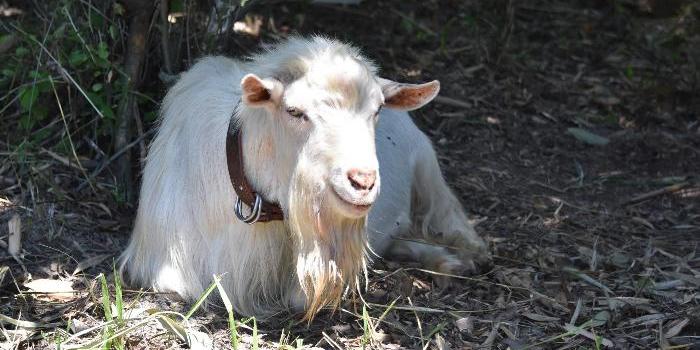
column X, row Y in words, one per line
column 366, row 334
column 233, row 330
column 115, row 327
column 117, row 324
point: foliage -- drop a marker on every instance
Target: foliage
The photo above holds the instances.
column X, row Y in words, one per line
column 68, row 59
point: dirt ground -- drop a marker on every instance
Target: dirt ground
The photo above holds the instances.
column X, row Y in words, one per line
column 569, row 129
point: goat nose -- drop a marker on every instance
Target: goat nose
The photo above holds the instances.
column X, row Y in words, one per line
column 362, row 179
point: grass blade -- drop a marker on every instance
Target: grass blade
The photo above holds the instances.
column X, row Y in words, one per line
column 383, row 315
column 229, row 309
column 108, row 333
column 365, row 327
column 106, row 303
column 255, row 334
column 170, row 325
column 201, row 299
column 118, row 299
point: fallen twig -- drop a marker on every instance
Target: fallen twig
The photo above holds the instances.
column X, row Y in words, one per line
column 666, row 190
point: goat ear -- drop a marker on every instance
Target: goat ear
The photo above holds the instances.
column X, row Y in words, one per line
column 258, row 92
column 407, row 97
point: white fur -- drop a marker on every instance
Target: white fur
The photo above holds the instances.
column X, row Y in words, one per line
column 186, row 230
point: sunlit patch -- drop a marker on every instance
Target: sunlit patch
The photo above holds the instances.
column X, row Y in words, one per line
column 250, row 25
column 7, row 11
column 5, row 204
column 493, row 120
column 173, row 16
column 414, row 73
column 556, row 218
column 168, row 278
column 52, row 290
column 693, row 192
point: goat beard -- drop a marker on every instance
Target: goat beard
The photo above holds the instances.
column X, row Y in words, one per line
column 329, row 248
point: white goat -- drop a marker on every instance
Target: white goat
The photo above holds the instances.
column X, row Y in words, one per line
column 313, row 141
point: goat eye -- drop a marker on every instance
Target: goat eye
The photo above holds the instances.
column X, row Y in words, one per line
column 296, row 113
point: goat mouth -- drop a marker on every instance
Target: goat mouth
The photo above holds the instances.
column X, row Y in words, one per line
column 356, row 208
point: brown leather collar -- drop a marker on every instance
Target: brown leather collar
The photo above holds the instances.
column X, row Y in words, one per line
column 260, row 209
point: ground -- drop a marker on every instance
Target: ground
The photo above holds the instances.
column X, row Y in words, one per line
column 569, row 129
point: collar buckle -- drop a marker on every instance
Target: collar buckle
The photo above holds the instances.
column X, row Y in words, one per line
column 255, row 211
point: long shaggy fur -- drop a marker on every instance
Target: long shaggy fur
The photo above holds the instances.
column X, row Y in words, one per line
column 186, row 230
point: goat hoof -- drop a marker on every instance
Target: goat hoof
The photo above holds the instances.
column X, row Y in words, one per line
column 452, row 266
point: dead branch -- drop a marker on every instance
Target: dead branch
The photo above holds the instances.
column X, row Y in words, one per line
column 139, row 12
column 164, row 36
